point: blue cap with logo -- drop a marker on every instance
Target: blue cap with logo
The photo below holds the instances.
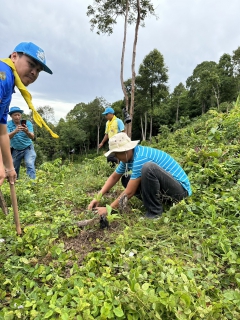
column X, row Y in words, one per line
column 35, row 52
column 14, row 110
column 108, row 110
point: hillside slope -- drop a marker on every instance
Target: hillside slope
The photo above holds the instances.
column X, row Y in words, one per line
column 182, row 266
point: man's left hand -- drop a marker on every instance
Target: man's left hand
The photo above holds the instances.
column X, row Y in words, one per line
column 25, row 128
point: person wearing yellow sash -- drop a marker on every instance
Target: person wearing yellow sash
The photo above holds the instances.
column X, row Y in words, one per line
column 114, row 125
column 21, row 69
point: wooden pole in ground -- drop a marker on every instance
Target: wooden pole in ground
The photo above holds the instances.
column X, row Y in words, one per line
column 15, row 208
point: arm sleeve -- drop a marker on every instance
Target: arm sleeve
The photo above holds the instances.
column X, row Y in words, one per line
column 121, row 168
column 120, row 125
column 30, row 126
column 6, row 90
column 3, row 108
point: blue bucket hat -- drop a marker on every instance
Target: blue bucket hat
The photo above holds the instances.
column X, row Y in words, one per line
column 108, row 110
column 34, row 52
column 14, row 110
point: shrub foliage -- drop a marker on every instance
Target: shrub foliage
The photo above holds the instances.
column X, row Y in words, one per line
column 182, row 266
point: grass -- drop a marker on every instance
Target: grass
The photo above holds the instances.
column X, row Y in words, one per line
column 183, row 266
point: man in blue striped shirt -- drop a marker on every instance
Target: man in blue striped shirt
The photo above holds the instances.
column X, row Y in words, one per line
column 155, row 176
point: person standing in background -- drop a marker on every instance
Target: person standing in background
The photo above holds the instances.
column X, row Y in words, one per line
column 114, row 125
column 21, row 135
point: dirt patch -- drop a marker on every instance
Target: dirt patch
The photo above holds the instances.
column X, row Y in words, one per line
column 86, row 241
column 90, row 238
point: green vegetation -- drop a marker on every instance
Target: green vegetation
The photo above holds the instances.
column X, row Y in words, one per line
column 212, row 86
column 182, row 266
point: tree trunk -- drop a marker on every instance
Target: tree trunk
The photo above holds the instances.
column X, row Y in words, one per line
column 98, row 128
column 151, row 97
column 143, row 135
column 145, row 116
column 133, row 68
column 150, row 133
column 122, row 58
column 177, row 113
column 216, row 93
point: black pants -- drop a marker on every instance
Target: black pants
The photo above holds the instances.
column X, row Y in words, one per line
column 157, row 187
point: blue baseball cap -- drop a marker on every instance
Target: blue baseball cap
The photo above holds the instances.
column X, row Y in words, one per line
column 108, row 110
column 34, row 52
column 14, row 110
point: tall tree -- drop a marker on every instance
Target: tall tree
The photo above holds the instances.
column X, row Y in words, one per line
column 89, row 117
column 152, row 81
column 204, row 84
column 228, row 85
column 79, row 117
column 105, row 14
column 72, row 136
column 178, row 100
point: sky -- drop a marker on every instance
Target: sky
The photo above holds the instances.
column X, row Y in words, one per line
column 86, row 65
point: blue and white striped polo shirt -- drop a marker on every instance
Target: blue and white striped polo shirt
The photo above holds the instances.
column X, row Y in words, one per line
column 165, row 161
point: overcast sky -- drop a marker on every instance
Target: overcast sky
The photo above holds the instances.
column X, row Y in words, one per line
column 86, row 65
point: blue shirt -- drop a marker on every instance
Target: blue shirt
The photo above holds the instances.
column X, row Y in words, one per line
column 7, row 83
column 142, row 155
column 20, row 140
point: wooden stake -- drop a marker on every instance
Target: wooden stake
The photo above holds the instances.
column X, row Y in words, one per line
column 15, row 208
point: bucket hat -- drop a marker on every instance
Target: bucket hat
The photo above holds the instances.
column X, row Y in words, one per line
column 108, row 110
column 15, row 109
column 34, row 52
column 120, row 142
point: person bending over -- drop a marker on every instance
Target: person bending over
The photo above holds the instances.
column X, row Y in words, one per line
column 155, row 176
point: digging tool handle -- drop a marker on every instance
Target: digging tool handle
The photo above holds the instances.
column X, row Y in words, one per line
column 15, row 208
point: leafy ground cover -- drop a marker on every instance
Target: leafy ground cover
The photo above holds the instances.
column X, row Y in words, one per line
column 182, row 266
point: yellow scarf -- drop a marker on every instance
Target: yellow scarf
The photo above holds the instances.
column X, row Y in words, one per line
column 28, row 98
column 110, row 122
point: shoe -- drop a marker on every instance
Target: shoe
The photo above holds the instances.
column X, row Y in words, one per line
column 150, row 215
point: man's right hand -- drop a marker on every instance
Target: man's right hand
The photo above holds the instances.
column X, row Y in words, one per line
column 11, row 176
column 93, row 204
column 19, row 128
column 100, row 145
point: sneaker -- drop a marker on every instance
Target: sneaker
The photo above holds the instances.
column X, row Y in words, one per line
column 150, row 215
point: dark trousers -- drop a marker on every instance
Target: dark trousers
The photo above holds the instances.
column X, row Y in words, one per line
column 157, row 187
